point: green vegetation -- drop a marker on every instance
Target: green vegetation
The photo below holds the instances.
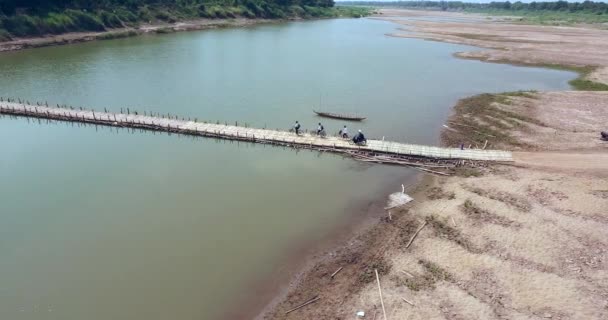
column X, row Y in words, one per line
column 581, row 82
column 553, row 13
column 24, row 18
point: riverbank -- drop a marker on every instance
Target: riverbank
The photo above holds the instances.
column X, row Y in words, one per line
column 34, row 32
column 506, row 241
column 156, row 28
column 577, row 48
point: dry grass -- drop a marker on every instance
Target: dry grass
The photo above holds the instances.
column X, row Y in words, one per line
column 436, row 193
column 486, row 117
column 432, row 274
column 481, row 216
column 444, row 230
column 516, row 201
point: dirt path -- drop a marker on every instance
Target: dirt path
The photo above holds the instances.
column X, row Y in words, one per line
column 593, row 162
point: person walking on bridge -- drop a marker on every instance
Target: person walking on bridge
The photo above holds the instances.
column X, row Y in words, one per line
column 296, row 128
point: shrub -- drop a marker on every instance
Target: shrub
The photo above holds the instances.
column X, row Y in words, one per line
column 110, row 20
column 255, row 9
column 297, row 11
column 273, row 11
column 144, row 14
column 21, row 25
column 216, row 12
column 4, row 35
column 56, row 23
column 165, row 16
column 125, row 15
column 248, row 14
column 85, row 21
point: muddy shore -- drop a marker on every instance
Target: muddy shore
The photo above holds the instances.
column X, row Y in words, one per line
column 525, row 240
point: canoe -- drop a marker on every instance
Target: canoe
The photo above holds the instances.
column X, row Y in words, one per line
column 339, row 116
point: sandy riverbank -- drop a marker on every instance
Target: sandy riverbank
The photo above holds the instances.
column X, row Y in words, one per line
column 77, row 37
column 576, row 46
column 520, row 241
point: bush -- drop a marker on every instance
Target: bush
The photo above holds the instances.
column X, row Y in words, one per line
column 85, row 21
column 273, row 11
column 247, row 13
column 216, row 12
column 255, row 9
column 110, row 20
column 4, row 35
column 165, row 16
column 297, row 11
column 21, row 25
column 56, row 23
column 144, row 14
column 125, row 15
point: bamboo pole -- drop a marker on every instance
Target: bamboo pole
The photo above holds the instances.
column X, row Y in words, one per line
column 380, row 291
column 336, row 272
column 415, row 234
column 314, row 299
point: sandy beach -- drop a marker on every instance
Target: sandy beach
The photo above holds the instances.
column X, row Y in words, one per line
column 519, row 241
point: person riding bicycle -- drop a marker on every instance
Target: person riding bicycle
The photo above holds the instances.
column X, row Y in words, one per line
column 320, row 130
column 359, row 138
column 344, row 132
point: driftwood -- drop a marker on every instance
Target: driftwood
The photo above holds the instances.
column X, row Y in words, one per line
column 303, row 304
column 415, row 234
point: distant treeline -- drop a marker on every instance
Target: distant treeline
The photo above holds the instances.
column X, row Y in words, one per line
column 19, row 18
column 587, row 6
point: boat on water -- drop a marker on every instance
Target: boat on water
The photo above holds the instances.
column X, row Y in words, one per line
column 339, row 116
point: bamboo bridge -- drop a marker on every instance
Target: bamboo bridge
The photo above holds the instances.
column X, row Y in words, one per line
column 375, row 150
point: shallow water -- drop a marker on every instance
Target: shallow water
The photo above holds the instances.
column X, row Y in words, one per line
column 104, row 224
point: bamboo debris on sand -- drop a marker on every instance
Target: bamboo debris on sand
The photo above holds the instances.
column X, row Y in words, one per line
column 314, row 299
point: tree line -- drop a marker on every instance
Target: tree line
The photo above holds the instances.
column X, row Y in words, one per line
column 564, row 6
column 20, row 18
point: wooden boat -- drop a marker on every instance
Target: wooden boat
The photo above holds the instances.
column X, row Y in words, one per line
column 339, row 116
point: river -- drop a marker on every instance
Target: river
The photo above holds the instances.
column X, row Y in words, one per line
column 99, row 223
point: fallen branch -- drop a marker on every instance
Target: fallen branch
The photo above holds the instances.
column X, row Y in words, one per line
column 415, row 234
column 336, row 272
column 303, row 304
